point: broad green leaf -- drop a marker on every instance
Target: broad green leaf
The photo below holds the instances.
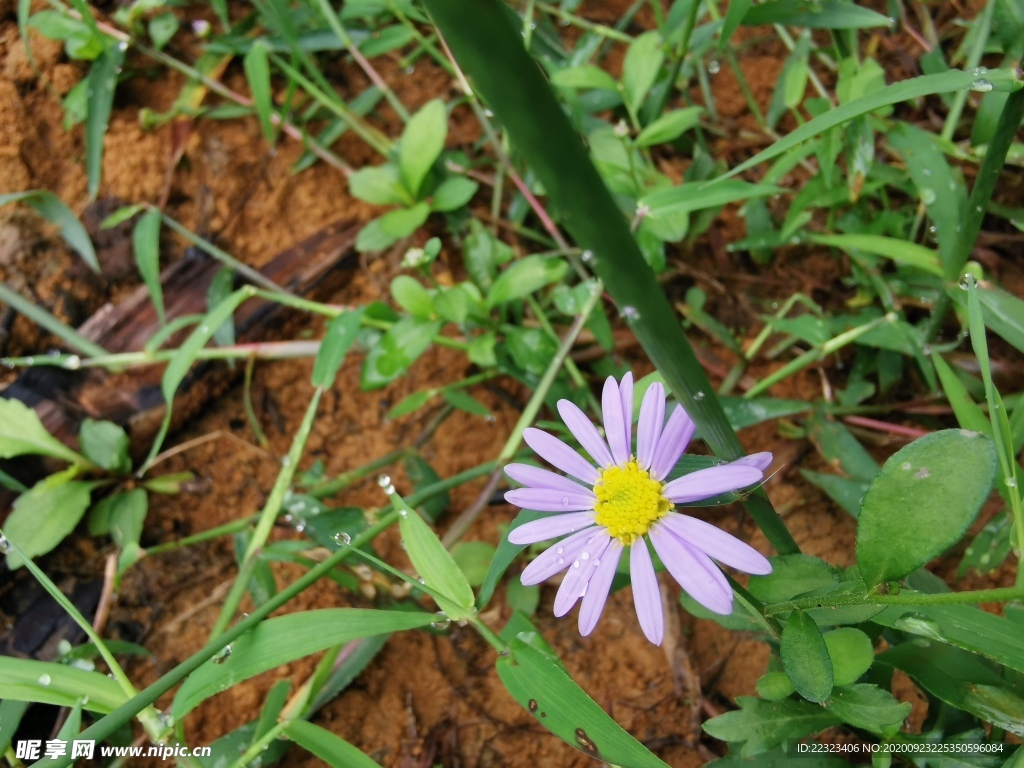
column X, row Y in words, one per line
column 422, row 143
column 45, row 514
column 851, row 652
column 669, row 126
column 127, row 514
column 58, row 684
column 162, row 28
column 792, row 576
column 466, row 402
column 962, row 626
column 284, row 639
column 391, row 227
column 52, row 208
column 764, row 725
column 146, row 244
column 525, row 276
column 411, row 296
column 338, row 338
column 843, row 491
column 640, row 68
column 697, row 196
column 474, row 560
column 379, row 185
column 333, row 750
column 900, row 251
column 453, row 304
column 503, row 557
column 399, row 348
column 805, row 658
column 105, row 444
column 542, row 687
column 775, row 686
column 922, row 502
column 434, row 563
column 867, row 706
column 821, row 14
column 21, row 432
column 257, row 71
column 904, row 90
column 960, row 680
column 584, row 76
column 453, row 193
column 102, row 84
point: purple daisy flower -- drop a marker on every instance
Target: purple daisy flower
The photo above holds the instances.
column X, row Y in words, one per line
column 624, row 502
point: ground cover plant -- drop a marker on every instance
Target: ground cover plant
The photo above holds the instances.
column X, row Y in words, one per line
column 327, row 326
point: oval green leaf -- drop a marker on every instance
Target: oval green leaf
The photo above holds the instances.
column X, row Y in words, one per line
column 805, row 658
column 524, row 277
column 338, row 338
column 922, row 502
column 851, row 652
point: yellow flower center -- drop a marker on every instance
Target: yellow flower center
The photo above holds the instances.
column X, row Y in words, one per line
column 629, row 501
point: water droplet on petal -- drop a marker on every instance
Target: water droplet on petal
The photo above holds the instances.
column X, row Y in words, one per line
column 565, row 501
column 559, row 550
column 585, row 556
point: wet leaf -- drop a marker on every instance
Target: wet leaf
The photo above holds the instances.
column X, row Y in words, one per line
column 805, row 658
column 65, row 686
column 284, row 639
column 922, row 502
column 540, row 685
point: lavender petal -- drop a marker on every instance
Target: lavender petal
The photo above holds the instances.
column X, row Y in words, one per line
column 556, row 558
column 648, row 429
column 584, row 430
column 614, row 427
column 717, row 544
column 580, row 571
column 560, row 455
column 673, row 441
column 694, row 571
column 598, row 587
column 550, row 527
column 535, row 477
column 760, row 461
column 548, row 500
column 646, row 593
column 626, row 396
column 705, row 483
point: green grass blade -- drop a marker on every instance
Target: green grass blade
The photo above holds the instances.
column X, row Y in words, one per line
column 100, row 99
column 900, row 251
column 39, row 315
column 60, row 684
column 540, row 685
column 333, row 750
column 490, row 50
column 914, row 88
column 823, row 14
column 257, row 71
column 287, row 638
column 146, row 244
column 51, row 208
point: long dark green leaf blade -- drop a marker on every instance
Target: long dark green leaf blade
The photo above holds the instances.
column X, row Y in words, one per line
column 537, row 682
column 100, row 99
column 51, row 208
column 489, row 48
column 914, row 88
column 286, row 638
column 330, row 748
column 146, row 244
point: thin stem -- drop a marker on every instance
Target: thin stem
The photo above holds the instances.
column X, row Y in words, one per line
column 529, row 414
column 269, row 513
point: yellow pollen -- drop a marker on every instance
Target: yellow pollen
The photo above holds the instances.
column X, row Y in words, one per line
column 629, row 501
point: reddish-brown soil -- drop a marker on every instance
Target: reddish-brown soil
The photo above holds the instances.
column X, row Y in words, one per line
column 426, row 699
